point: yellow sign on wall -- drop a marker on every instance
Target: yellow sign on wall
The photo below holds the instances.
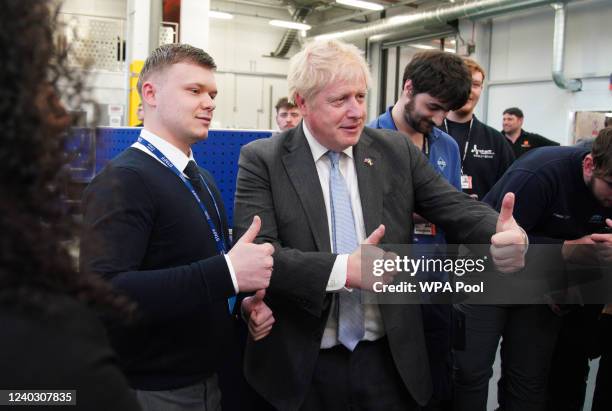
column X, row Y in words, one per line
column 135, row 69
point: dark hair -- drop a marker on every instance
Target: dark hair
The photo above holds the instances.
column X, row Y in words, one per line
column 514, row 111
column 441, row 75
column 608, row 120
column 35, row 259
column 602, row 153
column 168, row 54
column 284, row 102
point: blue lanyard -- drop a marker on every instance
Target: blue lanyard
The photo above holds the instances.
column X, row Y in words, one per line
column 219, row 240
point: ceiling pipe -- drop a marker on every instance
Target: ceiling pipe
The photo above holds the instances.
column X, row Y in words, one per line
column 255, row 3
column 290, row 35
column 441, row 14
column 364, row 13
column 558, row 51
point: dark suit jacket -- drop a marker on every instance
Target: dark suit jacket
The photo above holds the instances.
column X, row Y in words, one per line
column 277, row 180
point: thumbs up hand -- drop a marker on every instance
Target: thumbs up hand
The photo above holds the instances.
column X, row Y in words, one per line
column 252, row 262
column 259, row 315
column 509, row 243
column 360, row 262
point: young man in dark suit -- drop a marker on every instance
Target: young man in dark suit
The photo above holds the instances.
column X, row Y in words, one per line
column 321, row 189
column 155, row 226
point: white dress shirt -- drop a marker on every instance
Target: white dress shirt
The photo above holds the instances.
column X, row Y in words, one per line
column 373, row 320
column 180, row 161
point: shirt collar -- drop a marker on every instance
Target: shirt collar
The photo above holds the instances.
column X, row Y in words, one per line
column 174, row 154
column 386, row 121
column 319, row 150
column 435, row 134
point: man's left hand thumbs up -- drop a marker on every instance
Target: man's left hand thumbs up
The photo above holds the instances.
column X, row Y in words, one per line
column 258, row 314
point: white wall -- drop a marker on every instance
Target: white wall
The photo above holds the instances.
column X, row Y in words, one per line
column 107, row 87
column 521, row 61
column 194, row 28
column 519, row 65
column 249, row 83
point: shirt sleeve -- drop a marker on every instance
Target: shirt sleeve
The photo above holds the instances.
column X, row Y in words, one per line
column 230, row 267
column 337, row 278
column 529, row 190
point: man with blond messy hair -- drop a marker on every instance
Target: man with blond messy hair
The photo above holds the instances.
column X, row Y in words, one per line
column 321, row 189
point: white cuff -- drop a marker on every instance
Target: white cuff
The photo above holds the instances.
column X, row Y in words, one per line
column 337, row 278
column 526, row 240
column 232, row 272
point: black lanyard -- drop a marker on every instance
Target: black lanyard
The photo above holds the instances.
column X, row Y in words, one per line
column 467, row 140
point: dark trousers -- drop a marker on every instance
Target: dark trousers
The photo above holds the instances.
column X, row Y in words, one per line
column 602, row 399
column 238, row 395
column 577, row 343
column 203, row 396
column 529, row 334
column 365, row 379
column 437, row 324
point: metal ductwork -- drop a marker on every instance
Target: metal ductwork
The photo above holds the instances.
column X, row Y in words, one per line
column 440, row 15
column 558, row 51
column 290, row 35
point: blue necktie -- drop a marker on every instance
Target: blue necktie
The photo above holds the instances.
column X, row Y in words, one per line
column 351, row 326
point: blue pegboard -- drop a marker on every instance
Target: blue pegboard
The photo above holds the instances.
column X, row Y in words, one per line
column 218, row 154
column 80, row 147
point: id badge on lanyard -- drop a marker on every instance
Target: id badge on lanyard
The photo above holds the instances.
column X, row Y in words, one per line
column 466, row 182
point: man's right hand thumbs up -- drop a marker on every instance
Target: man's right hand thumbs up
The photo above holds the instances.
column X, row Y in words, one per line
column 252, row 262
column 251, row 234
column 358, row 272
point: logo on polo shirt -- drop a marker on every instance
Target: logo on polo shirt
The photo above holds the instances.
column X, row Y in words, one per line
column 441, row 164
column 481, row 153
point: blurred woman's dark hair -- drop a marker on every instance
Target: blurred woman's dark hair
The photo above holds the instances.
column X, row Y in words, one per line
column 35, row 227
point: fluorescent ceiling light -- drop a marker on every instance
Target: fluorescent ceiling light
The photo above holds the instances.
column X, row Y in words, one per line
column 290, row 25
column 360, row 4
column 219, row 15
column 423, row 46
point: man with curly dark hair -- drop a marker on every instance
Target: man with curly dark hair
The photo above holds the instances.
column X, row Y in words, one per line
column 52, row 338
